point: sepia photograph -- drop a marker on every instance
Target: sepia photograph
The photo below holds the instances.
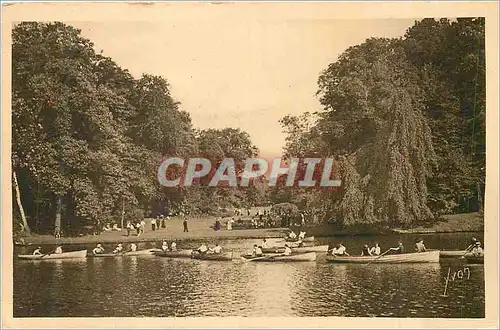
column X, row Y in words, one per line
column 237, row 165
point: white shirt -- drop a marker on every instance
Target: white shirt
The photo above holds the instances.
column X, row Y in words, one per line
column 264, row 244
column 153, row 221
column 58, row 250
column 302, row 234
column 217, row 249
column 288, row 251
column 203, row 248
column 340, row 250
column 257, row 250
column 173, row 246
column 133, row 247
column 292, row 235
column 37, row 252
column 375, row 250
column 164, row 247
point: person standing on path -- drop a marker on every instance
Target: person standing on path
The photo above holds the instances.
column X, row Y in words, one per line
column 185, row 224
column 153, row 224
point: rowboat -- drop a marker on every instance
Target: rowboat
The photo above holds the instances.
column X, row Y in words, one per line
column 64, row 255
column 429, row 256
column 227, row 256
column 148, row 252
column 305, row 239
column 451, row 254
column 175, row 254
column 299, row 257
column 472, row 259
column 302, row 249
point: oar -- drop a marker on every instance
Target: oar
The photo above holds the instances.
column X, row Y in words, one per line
column 48, row 254
column 380, row 256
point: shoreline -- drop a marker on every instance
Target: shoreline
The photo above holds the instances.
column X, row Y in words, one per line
column 200, row 229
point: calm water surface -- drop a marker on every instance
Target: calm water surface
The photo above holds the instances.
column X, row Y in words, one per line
column 154, row 286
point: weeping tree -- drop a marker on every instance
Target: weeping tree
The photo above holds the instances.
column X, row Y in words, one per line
column 373, row 115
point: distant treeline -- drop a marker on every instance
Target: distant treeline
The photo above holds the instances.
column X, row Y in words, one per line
column 404, row 117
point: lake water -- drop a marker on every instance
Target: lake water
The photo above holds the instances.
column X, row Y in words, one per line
column 155, row 286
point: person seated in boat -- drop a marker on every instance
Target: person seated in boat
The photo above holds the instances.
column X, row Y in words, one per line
column 115, row 227
column 173, row 246
column 300, row 243
column 288, row 251
column 472, row 244
column 257, row 251
column 264, row 244
column 164, row 246
column 340, row 250
column 98, row 249
column 118, row 249
column 203, row 248
column 419, row 246
column 58, row 250
column 365, row 252
column 217, row 249
column 38, row 251
column 107, row 227
column 292, row 235
column 399, row 249
column 133, row 247
column 375, row 251
column 478, row 251
column 302, row 235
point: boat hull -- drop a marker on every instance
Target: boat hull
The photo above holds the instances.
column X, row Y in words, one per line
column 421, row 257
column 227, row 256
column 299, row 257
column 303, row 249
column 472, row 259
column 306, row 239
column 148, row 252
column 175, row 254
column 451, row 254
column 65, row 255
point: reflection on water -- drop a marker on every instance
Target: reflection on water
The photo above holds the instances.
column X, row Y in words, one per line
column 153, row 286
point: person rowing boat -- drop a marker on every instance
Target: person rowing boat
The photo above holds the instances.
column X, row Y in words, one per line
column 38, row 251
column 302, row 235
column 257, row 251
column 478, row 251
column 375, row 251
column 173, row 246
column 292, row 235
column 203, row 248
column 340, row 250
column 264, row 244
column 164, row 246
column 365, row 252
column 118, row 249
column 133, row 247
column 217, row 249
column 398, row 250
column 287, row 251
column 419, row 246
column 98, row 249
column 472, row 245
column 58, row 250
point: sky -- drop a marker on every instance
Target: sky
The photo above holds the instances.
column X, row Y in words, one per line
column 238, row 73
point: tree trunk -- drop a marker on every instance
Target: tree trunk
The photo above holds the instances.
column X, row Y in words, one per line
column 57, row 222
column 123, row 210
column 24, row 222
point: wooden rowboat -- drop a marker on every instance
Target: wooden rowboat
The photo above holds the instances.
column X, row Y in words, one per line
column 175, row 254
column 52, row 256
column 429, row 256
column 305, row 239
column 302, row 249
column 225, row 256
column 299, row 257
column 148, row 252
column 472, row 259
column 451, row 254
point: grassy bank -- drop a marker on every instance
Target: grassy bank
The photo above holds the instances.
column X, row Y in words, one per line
column 453, row 223
column 199, row 229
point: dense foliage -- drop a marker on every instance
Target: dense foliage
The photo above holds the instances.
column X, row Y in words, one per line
column 406, row 120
